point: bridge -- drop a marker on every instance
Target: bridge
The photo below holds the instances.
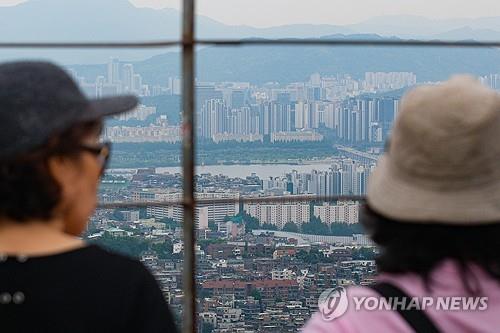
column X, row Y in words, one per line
column 357, row 155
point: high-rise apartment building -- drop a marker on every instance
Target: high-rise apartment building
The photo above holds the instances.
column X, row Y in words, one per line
column 214, row 118
column 215, row 211
column 366, row 119
column 382, row 81
column 127, row 77
column 113, row 71
column 342, row 212
column 279, row 214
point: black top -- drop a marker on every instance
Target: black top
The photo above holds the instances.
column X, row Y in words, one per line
column 83, row 290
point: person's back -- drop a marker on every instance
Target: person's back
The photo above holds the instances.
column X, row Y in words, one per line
column 83, row 290
column 433, row 209
column 51, row 161
column 447, row 285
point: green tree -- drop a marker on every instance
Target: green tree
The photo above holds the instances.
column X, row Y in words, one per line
column 163, row 250
column 315, row 227
column 291, row 227
column 131, row 246
column 255, row 293
column 169, row 222
column 251, row 222
column 268, row 226
column 204, row 243
column 364, row 253
column 345, row 229
column 212, row 225
column 314, row 256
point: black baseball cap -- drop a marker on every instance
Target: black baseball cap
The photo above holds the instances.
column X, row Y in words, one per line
column 39, row 100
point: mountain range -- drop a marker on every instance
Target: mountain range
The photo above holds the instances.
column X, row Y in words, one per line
column 119, row 20
column 296, row 63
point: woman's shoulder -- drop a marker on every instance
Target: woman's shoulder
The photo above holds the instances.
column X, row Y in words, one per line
column 104, row 260
column 89, row 263
column 149, row 308
column 348, row 316
column 97, row 252
column 110, row 289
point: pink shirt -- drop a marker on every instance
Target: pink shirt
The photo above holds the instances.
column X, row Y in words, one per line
column 445, row 282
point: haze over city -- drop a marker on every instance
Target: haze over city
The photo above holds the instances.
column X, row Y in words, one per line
column 264, row 13
column 246, row 190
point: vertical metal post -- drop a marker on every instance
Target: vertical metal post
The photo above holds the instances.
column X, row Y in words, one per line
column 188, row 163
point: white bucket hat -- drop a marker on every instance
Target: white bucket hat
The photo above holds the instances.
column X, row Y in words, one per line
column 443, row 161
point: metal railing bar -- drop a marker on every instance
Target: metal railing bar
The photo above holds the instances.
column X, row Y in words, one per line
column 262, row 42
column 351, row 42
column 242, row 200
column 91, row 45
column 188, row 164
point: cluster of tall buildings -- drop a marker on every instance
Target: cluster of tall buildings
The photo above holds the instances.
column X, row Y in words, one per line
column 279, row 214
column 141, row 112
column 159, row 131
column 491, row 80
column 366, row 119
column 345, row 177
column 265, row 119
column 241, row 113
column 120, row 78
column 382, row 81
column 342, row 212
column 214, row 211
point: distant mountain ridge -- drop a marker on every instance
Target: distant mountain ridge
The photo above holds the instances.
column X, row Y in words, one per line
column 411, row 26
column 296, row 63
column 118, row 20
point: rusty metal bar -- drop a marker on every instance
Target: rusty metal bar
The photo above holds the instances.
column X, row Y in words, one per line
column 90, row 45
column 188, row 165
column 261, row 42
column 243, row 200
column 350, row 42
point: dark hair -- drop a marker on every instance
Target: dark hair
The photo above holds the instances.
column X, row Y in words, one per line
column 27, row 188
column 415, row 247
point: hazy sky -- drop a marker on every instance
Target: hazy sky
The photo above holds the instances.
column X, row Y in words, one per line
column 277, row 12
column 263, row 13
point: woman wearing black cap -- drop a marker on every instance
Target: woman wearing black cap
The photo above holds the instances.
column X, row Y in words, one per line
column 50, row 164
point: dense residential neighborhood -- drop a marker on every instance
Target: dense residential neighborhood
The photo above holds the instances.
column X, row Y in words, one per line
column 254, row 273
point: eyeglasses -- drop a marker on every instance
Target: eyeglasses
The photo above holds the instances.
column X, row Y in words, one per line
column 102, row 151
